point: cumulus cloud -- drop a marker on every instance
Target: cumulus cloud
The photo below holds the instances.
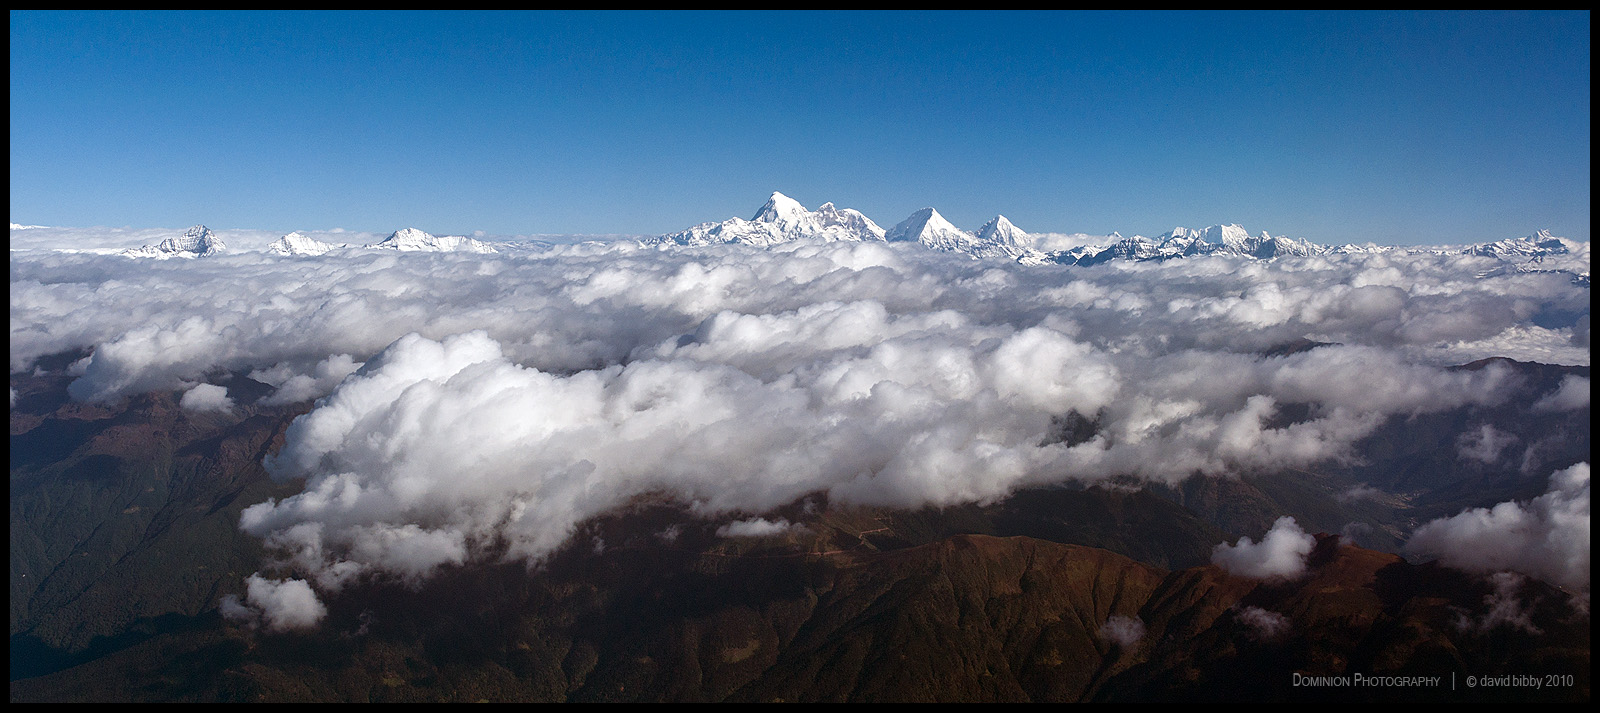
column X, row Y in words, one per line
column 1281, row 554
column 279, row 605
column 206, row 397
column 1546, row 538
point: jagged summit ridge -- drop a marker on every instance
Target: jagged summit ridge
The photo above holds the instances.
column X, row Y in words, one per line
column 997, row 239
column 1230, row 239
column 197, row 241
column 1540, row 252
column 1538, row 245
column 296, row 244
column 414, row 240
column 782, row 219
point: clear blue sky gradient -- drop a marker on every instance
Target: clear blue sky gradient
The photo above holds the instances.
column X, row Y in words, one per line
column 1343, row 127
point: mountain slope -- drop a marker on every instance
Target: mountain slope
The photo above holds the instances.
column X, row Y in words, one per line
column 969, row 618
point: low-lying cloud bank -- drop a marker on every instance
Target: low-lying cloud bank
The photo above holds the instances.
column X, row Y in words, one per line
column 477, row 403
column 1547, row 537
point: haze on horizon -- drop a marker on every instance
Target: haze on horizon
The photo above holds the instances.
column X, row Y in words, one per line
column 1395, row 128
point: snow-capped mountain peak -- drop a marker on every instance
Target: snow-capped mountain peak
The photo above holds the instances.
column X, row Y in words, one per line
column 1231, row 235
column 926, row 226
column 782, row 210
column 414, row 240
column 999, row 231
column 296, row 244
column 782, row 219
column 197, row 241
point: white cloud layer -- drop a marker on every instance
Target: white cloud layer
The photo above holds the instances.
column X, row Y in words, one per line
column 478, row 400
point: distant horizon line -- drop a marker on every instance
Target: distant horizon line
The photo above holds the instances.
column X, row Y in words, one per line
column 573, row 238
column 511, row 237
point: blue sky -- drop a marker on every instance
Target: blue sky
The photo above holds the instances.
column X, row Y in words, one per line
column 1395, row 128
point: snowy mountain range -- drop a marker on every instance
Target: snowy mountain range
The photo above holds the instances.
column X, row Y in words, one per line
column 199, row 241
column 1229, row 239
column 413, row 240
column 783, row 219
column 406, row 240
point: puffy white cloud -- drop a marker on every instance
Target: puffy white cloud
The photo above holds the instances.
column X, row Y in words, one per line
column 278, row 604
column 1547, row 537
column 1281, row 554
column 206, row 397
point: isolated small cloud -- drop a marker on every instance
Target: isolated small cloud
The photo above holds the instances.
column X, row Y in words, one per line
column 1263, row 625
column 1122, row 631
column 757, row 527
column 1353, row 531
column 1281, row 554
column 279, row 605
column 1358, row 492
column 206, row 397
column 1484, row 444
column 1502, row 608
